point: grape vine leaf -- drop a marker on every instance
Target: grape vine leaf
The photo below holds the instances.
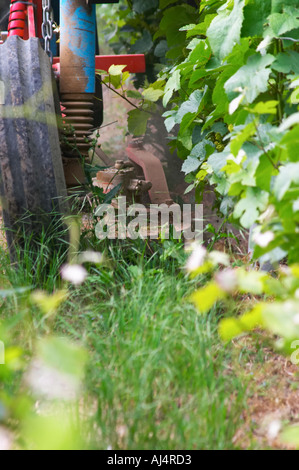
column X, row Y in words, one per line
column 151, row 94
column 280, row 23
column 142, row 6
column 190, row 164
column 251, row 79
column 137, row 122
column 249, row 207
column 142, row 45
column 288, row 174
column 287, row 62
column 225, row 30
column 190, row 106
column 256, row 13
column 172, row 85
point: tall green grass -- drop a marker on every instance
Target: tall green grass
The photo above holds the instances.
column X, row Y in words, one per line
column 37, row 259
column 158, row 377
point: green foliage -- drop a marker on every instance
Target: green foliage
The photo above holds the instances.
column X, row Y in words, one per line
column 234, row 98
column 222, row 36
column 41, row 372
column 116, row 81
column 46, row 369
column 274, row 305
column 137, row 122
column 231, row 87
column 151, row 350
column 270, row 307
column 278, row 317
column 148, row 27
column 154, row 375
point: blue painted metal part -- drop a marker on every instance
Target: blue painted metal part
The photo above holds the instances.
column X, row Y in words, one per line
column 77, row 46
column 53, row 45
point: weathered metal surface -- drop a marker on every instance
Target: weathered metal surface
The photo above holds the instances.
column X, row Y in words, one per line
column 77, row 46
column 78, row 123
column 4, row 14
column 73, row 172
column 122, row 174
column 153, row 171
column 77, row 79
column 31, row 172
column 103, row 156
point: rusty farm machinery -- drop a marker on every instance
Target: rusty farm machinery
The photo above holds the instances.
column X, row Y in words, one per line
column 36, row 166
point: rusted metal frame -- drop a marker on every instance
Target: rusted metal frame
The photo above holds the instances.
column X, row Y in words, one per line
column 122, row 174
column 153, row 171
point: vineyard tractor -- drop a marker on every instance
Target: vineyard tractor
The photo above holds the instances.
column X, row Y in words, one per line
column 48, row 83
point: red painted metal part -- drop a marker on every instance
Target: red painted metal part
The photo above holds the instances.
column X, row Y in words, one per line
column 21, row 19
column 31, row 21
column 39, row 17
column 17, row 19
column 135, row 63
column 23, row 22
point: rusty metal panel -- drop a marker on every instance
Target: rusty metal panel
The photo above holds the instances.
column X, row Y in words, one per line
column 153, row 172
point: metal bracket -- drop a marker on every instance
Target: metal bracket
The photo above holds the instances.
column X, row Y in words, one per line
column 153, row 172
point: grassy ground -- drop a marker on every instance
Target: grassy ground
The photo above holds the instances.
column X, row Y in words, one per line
column 157, row 375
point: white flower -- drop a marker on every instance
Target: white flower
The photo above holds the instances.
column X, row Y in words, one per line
column 91, row 257
column 274, row 429
column 5, row 439
column 197, row 258
column 50, row 383
column 285, row 270
column 263, row 239
column 227, row 279
column 219, row 257
column 74, row 273
column 121, row 430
